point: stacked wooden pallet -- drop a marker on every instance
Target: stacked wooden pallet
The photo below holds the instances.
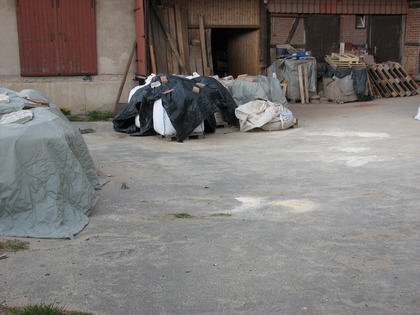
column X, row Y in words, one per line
column 344, row 61
column 390, row 80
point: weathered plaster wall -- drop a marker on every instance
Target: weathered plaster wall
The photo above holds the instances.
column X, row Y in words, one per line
column 115, row 30
column 9, row 52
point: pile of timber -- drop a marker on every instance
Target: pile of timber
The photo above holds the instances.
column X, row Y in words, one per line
column 390, row 80
column 303, row 83
column 344, row 61
column 169, row 28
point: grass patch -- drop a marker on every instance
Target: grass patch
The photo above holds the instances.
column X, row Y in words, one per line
column 65, row 111
column 13, row 245
column 39, row 309
column 221, row 215
column 76, row 118
column 183, row 216
column 93, row 115
column 98, row 116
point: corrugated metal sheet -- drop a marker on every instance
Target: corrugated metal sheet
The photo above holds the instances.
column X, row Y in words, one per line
column 338, row 6
column 56, row 37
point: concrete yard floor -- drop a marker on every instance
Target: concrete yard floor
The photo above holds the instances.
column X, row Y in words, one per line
column 319, row 219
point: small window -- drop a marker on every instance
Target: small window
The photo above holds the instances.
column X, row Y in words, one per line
column 360, row 21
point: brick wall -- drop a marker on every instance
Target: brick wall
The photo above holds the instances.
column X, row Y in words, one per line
column 349, row 33
column 281, row 25
column 280, row 28
column 411, row 54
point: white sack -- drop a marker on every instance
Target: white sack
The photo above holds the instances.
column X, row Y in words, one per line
column 135, row 89
column 418, row 114
column 264, row 114
column 162, row 124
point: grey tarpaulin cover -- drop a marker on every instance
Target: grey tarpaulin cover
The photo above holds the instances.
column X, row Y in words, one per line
column 349, row 80
column 47, row 176
column 264, row 88
column 287, row 69
column 15, row 103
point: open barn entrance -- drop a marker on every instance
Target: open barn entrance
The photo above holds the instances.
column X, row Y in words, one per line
column 235, row 51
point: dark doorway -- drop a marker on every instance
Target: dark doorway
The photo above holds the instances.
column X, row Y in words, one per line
column 384, row 32
column 235, row 51
column 219, row 48
column 322, row 35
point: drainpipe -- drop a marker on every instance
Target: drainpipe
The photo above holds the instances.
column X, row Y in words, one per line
column 141, row 59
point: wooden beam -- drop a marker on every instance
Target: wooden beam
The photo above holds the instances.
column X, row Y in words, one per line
column 306, row 81
column 173, row 30
column 292, row 31
column 209, row 51
column 203, row 45
column 170, row 57
column 196, row 51
column 178, row 21
column 153, row 59
column 127, row 67
column 169, row 37
column 159, row 42
column 301, row 87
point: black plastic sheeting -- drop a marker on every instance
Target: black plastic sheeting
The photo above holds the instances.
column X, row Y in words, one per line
column 359, row 77
column 186, row 109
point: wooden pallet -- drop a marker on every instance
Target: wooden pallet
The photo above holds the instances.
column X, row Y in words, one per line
column 406, row 80
column 194, row 135
column 344, row 61
column 390, row 80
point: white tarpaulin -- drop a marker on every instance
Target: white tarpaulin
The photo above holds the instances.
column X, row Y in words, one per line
column 418, row 114
column 264, row 114
column 47, row 176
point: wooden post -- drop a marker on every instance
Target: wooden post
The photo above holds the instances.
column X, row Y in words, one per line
column 292, row 31
column 209, row 51
column 306, row 81
column 153, row 59
column 301, row 87
column 203, row 45
column 178, row 21
column 127, row 67
column 169, row 37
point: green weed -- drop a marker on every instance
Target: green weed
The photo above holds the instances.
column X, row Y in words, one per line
column 183, row 216
column 98, row 116
column 14, row 245
column 65, row 111
column 39, row 309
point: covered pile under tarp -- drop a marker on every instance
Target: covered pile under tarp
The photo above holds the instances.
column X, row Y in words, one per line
column 349, row 80
column 251, row 88
column 287, row 69
column 188, row 103
column 266, row 115
column 47, row 176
